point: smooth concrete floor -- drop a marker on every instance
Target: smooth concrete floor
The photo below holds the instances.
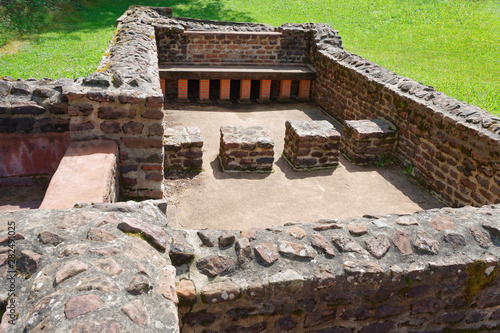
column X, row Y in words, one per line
column 242, row 201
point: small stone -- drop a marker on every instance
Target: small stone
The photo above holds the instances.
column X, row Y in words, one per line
column 181, row 252
column 250, row 234
column 407, row 220
column 165, row 284
column 80, row 305
column 43, row 327
column 141, row 269
column 345, row 243
column 402, row 242
column 28, row 262
column 99, row 235
column 186, row 292
column 91, row 326
column 217, row 292
column 107, row 251
column 69, row 270
column 493, row 229
column 17, row 236
column 363, row 271
column 101, row 283
column 381, row 223
column 285, row 324
column 48, row 237
column 226, row 239
column 109, row 266
column 323, row 277
column 396, row 273
column 323, row 227
column 320, row 243
column 244, row 252
column 73, row 249
column 212, row 266
column 443, row 222
column 480, row 237
column 267, row 252
column 207, row 237
column 295, row 251
column 454, row 239
column 138, row 285
column 378, row 245
column 153, row 233
column 357, row 229
column 255, row 288
column 426, row 244
column 297, row 233
column 136, row 311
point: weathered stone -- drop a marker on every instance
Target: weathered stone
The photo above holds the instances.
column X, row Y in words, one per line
column 255, row 288
column 226, row 239
column 69, row 270
column 244, row 252
column 250, row 234
column 138, row 285
column 378, row 327
column 297, row 233
column 323, row 227
column 207, row 237
column 425, row 243
column 186, row 292
column 181, row 252
column 285, row 324
column 345, row 243
column 80, row 305
column 165, row 285
column 402, row 242
column 353, row 314
column 407, row 220
column 101, row 283
column 320, row 243
column 139, row 249
column 454, row 239
column 48, row 237
column 443, row 222
column 214, row 265
column 108, row 112
column 44, row 326
column 378, row 245
column 363, row 270
column 153, row 233
column 110, row 266
column 217, row 292
column 493, row 229
column 73, row 249
column 431, row 305
column 28, row 262
column 320, row 317
column 295, row 251
column 386, row 310
column 267, row 252
column 80, row 109
column 357, row 229
column 99, row 95
column 91, row 326
column 99, row 235
column 107, row 251
column 43, row 92
column 480, row 237
column 323, row 277
column 136, row 311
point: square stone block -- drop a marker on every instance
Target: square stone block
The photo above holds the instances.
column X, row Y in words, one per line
column 182, row 148
column 369, row 141
column 248, row 149
column 311, row 145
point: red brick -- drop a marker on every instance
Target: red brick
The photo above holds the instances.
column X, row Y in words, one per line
column 153, row 114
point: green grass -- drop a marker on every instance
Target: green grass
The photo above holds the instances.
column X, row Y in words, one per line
column 453, row 45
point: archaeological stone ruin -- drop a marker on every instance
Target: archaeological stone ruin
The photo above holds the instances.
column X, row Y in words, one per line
column 101, row 255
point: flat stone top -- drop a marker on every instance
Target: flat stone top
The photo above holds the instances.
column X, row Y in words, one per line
column 370, row 126
column 180, row 134
column 313, row 129
column 243, row 134
column 261, row 69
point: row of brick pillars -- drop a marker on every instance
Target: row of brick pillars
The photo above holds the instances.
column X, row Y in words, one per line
column 245, row 86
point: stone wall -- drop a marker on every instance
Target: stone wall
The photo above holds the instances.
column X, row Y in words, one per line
column 450, row 146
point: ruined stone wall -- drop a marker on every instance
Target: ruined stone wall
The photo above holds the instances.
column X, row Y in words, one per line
column 450, row 146
column 183, row 40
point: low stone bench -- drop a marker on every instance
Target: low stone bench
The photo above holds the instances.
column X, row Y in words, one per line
column 248, row 149
column 182, row 149
column 369, row 141
column 87, row 174
column 311, row 145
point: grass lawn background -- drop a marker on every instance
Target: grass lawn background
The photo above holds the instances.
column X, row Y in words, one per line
column 453, row 45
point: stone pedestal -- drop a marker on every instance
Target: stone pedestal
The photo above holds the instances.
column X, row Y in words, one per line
column 369, row 141
column 311, row 145
column 182, row 149
column 248, row 149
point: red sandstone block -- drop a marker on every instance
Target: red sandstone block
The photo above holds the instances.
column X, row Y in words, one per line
column 225, row 86
column 304, row 89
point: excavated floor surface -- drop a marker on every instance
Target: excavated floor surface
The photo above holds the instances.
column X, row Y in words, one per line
column 214, row 199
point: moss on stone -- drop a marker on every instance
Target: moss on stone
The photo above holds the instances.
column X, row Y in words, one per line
column 477, row 279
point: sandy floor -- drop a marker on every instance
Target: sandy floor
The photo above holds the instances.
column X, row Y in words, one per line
column 214, row 199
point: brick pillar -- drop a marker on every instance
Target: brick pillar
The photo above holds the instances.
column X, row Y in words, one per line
column 285, row 89
column 182, row 90
column 245, row 86
column 204, row 90
column 265, row 90
column 304, row 89
column 162, row 85
column 225, row 90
